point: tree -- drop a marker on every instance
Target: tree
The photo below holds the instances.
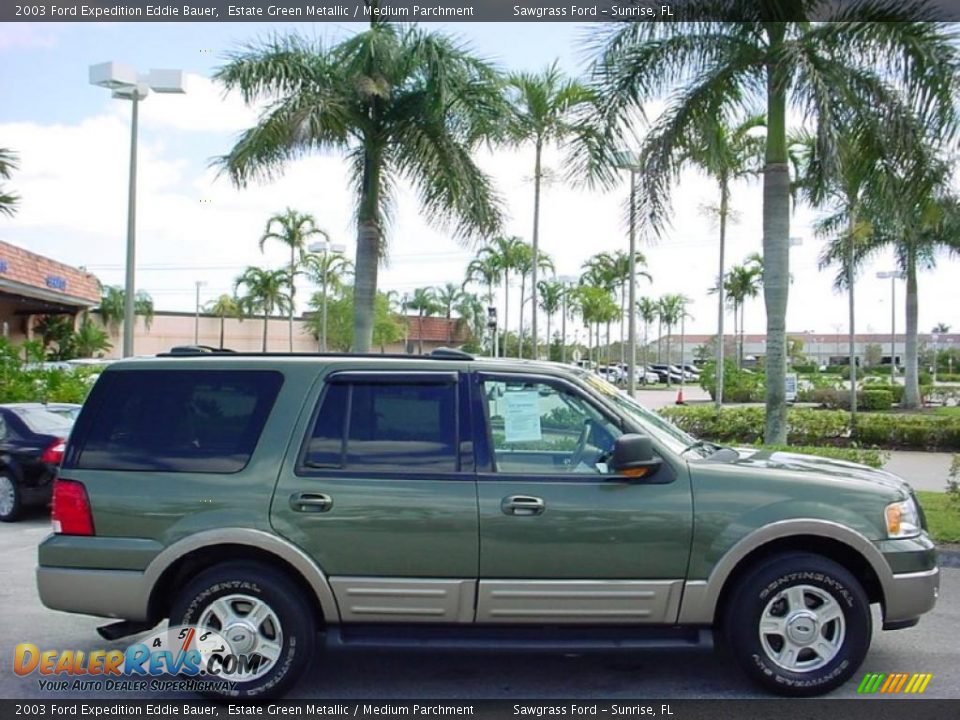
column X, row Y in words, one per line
column 721, row 56
column 223, row 307
column 326, row 270
column 505, row 254
column 543, row 109
column 726, row 151
column 424, row 301
column 293, row 229
column 90, row 339
column 56, row 336
column 598, row 272
column 386, row 327
column 402, row 102
column 485, row 271
column 472, row 316
column 743, row 282
column 112, row 303
column 527, row 268
column 448, row 297
column 551, row 300
column 8, row 200
column 649, row 311
column 671, row 309
column 597, row 307
column 265, row 294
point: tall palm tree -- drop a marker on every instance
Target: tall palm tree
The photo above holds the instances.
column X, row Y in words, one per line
column 402, row 102
column 8, row 200
column 223, row 307
column 742, row 283
column 551, row 300
column 471, row 315
column 327, row 270
column 266, row 293
column 597, row 307
column 671, row 309
column 293, row 229
column 649, row 310
column 727, row 151
column 527, row 265
column 448, row 297
column 619, row 271
column 112, row 300
column 424, row 301
column 486, row 271
column 599, row 272
column 751, row 56
column 506, row 254
column 543, row 110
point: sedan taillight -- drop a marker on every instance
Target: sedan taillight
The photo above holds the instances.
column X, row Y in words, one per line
column 54, row 452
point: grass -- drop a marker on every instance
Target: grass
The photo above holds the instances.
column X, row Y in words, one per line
column 943, row 516
column 949, row 411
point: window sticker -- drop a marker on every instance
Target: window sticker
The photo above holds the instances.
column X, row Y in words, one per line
column 522, row 417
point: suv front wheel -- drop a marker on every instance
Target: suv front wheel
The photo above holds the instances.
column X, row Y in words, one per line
column 261, row 614
column 798, row 624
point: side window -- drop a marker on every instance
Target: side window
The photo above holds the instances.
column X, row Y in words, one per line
column 4, row 433
column 178, row 420
column 386, row 427
column 544, row 428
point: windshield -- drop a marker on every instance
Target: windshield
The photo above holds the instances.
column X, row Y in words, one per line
column 44, row 422
column 665, row 431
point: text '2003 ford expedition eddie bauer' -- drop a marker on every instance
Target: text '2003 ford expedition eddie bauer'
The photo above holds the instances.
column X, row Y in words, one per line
column 450, row 501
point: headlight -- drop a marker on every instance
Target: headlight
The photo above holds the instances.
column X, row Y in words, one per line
column 903, row 520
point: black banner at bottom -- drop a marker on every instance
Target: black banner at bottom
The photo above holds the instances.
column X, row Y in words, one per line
column 847, row 709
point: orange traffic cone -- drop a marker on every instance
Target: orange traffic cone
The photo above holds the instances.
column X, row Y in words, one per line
column 680, row 396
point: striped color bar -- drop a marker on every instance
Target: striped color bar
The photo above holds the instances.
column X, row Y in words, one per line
column 893, row 683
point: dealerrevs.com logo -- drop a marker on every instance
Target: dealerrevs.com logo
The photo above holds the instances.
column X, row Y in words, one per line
column 200, row 658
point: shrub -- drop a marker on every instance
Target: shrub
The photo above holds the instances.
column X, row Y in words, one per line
column 805, row 368
column 875, row 399
column 738, row 386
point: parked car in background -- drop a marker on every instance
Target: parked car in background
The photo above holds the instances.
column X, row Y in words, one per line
column 665, row 372
column 32, row 440
column 692, row 370
column 66, row 410
column 611, row 373
column 644, row 377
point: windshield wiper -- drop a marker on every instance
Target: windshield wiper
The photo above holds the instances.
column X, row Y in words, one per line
column 701, row 444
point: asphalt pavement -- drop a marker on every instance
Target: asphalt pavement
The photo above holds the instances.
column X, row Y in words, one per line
column 931, row 647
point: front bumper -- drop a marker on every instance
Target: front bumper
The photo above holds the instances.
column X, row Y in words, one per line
column 914, row 583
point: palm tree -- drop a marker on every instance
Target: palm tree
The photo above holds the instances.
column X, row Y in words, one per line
column 328, row 271
column 551, row 300
column 90, row 339
column 619, row 271
column 527, row 268
column 880, row 71
column 448, row 297
column 294, row 230
column 112, row 300
column 543, row 109
column 266, row 293
column 8, row 200
column 671, row 309
column 424, row 301
column 649, row 310
column 597, row 306
column 726, row 151
column 599, row 272
column 402, row 102
column 471, row 314
column 506, row 254
column 223, row 307
column 743, row 282
column 484, row 270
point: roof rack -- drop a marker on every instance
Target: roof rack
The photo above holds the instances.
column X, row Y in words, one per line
column 194, row 351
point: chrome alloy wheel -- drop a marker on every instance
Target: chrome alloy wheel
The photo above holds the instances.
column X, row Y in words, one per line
column 802, row 628
column 8, row 495
column 250, row 626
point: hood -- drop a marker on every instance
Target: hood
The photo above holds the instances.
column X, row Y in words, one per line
column 824, row 467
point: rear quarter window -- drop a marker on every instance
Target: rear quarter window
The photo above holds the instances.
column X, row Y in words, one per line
column 175, row 420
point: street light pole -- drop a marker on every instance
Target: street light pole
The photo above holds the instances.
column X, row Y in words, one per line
column 632, row 295
column 196, row 318
column 127, row 84
column 324, row 249
column 893, row 275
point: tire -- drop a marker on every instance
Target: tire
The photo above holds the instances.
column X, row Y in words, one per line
column 816, row 624
column 289, row 630
column 11, row 504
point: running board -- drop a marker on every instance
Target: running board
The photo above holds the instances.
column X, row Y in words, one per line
column 494, row 638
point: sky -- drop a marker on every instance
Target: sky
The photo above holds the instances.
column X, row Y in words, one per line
column 73, row 142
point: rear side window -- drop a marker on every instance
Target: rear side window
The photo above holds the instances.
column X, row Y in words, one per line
column 176, row 421
column 384, row 427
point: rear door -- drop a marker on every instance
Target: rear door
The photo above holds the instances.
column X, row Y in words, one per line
column 381, row 493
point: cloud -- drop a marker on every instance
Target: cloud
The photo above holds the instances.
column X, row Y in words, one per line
column 203, row 108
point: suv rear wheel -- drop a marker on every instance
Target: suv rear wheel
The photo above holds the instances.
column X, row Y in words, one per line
column 798, row 624
column 263, row 617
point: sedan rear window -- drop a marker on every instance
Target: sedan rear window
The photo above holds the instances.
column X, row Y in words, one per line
column 176, row 420
column 44, row 422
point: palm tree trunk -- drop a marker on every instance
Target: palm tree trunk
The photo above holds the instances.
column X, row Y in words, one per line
column 623, row 313
column 608, row 341
column 850, row 298
column 265, row 328
column 420, row 330
column 506, row 310
column 669, row 332
column 659, row 341
column 368, row 252
column 293, row 291
column 743, row 324
column 724, row 200
column 776, row 244
column 548, row 336
column 911, row 394
column 222, row 320
column 523, row 292
column 536, row 246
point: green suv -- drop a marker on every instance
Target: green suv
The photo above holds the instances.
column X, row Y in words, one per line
column 451, row 501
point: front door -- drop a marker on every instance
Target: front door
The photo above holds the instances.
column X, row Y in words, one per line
column 562, row 539
column 383, row 497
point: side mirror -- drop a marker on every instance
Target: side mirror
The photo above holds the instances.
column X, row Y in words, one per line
column 633, row 456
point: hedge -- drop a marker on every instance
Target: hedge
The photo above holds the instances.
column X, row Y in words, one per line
column 806, row 426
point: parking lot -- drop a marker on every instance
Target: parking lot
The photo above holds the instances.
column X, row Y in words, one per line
column 931, row 647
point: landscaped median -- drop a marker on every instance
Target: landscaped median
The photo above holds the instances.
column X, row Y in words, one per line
column 822, row 428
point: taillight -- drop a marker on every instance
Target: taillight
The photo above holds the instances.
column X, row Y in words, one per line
column 54, row 452
column 71, row 513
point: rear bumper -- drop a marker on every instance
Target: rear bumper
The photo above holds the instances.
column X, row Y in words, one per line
column 107, row 593
column 908, row 596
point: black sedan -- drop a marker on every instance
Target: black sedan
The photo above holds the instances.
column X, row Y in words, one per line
column 32, row 439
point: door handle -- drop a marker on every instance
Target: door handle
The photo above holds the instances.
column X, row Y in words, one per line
column 523, row 505
column 311, row 502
